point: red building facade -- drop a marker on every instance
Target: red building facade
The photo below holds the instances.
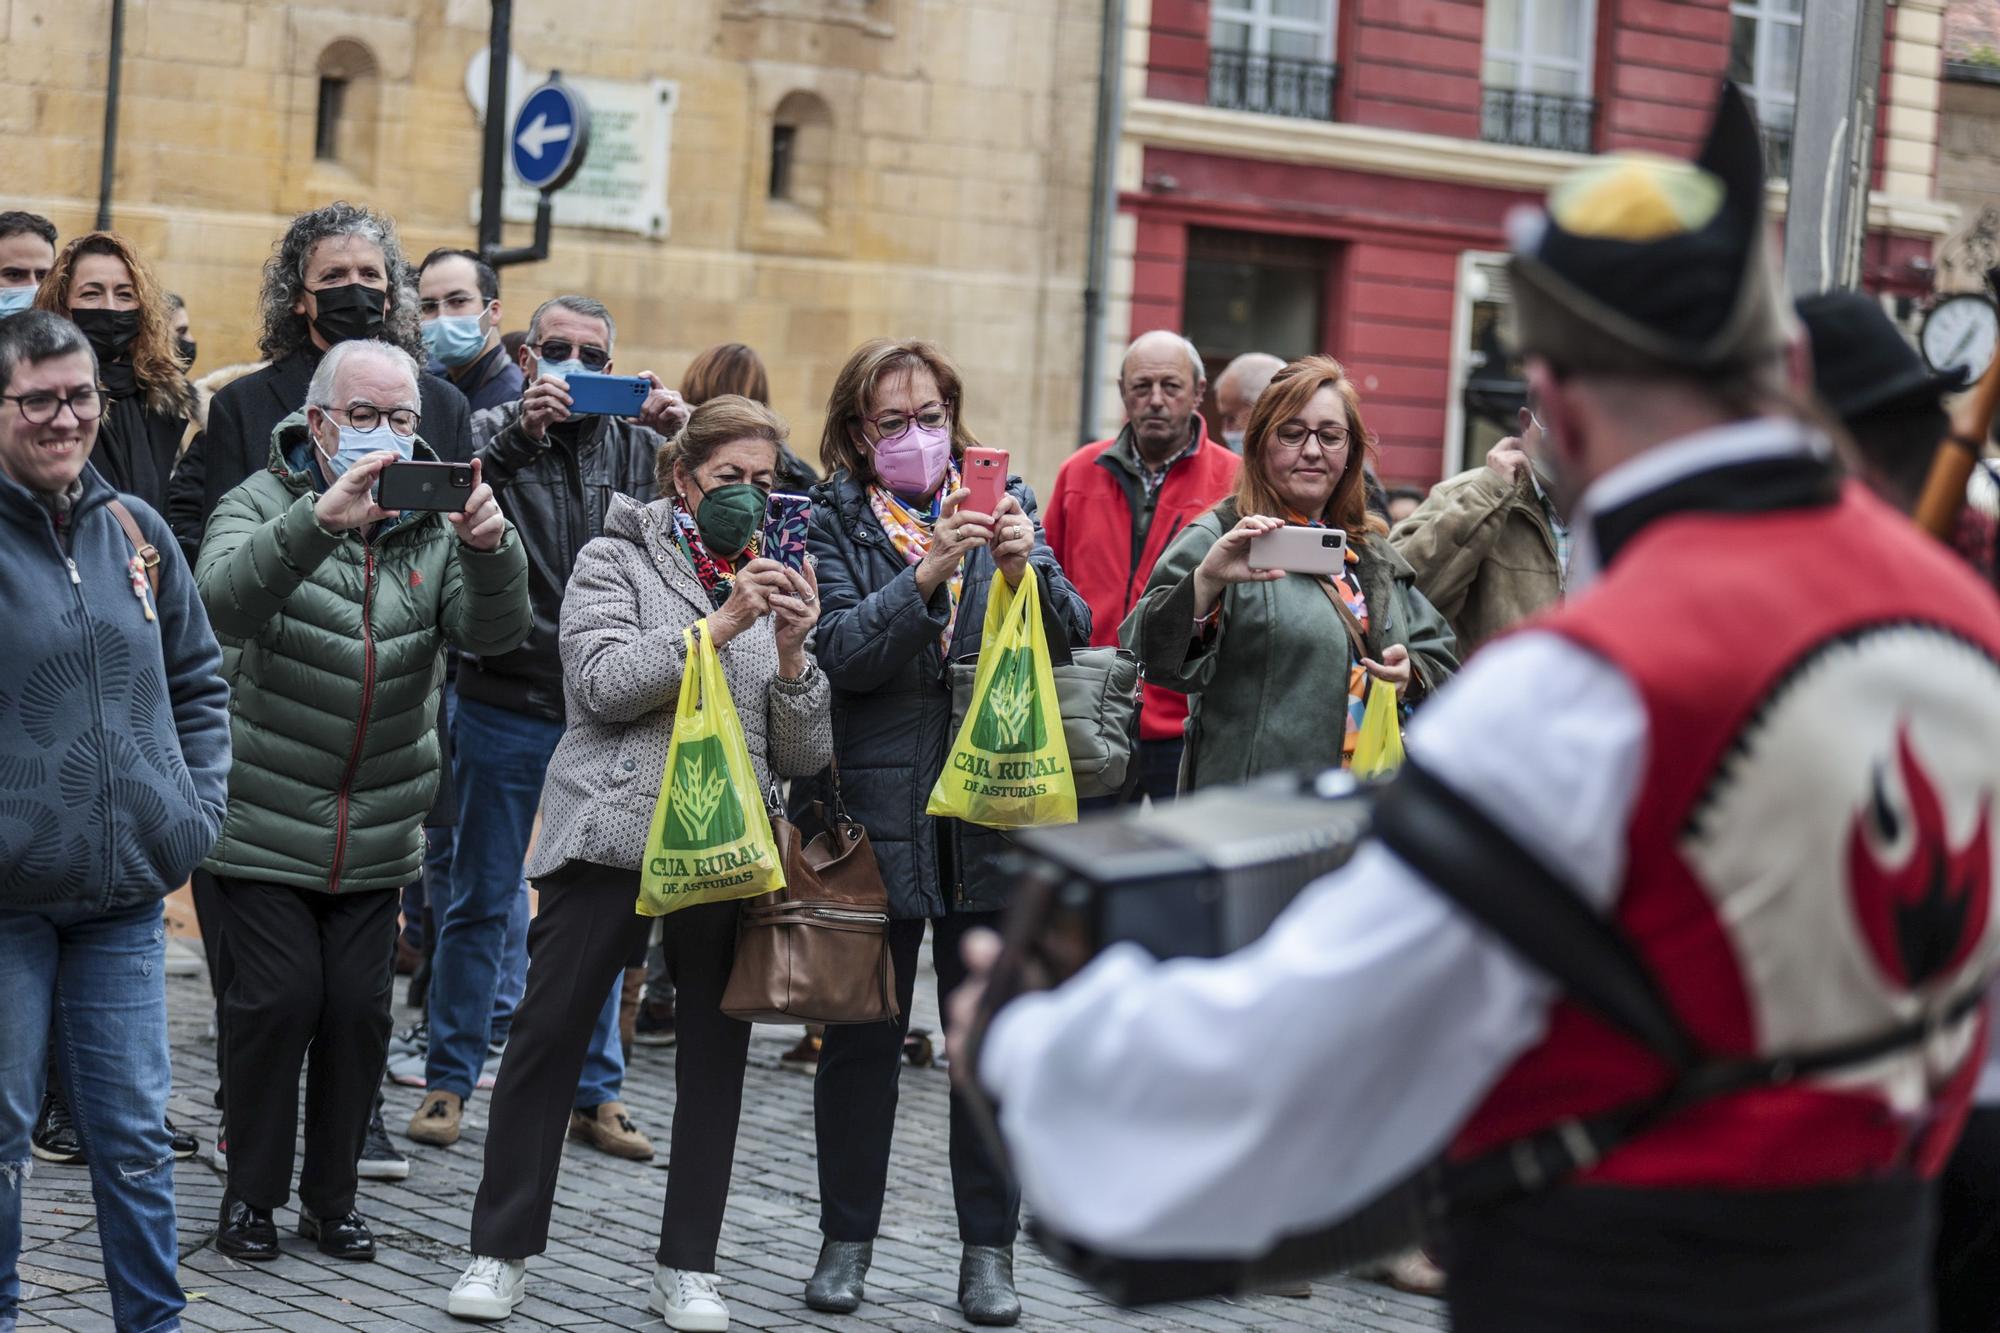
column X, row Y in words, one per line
column 1306, row 175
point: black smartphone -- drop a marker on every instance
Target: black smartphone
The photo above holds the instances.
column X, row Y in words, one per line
column 444, row 487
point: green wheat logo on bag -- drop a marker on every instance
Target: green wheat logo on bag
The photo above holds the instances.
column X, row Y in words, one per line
column 711, row 836
column 699, row 813
column 1008, row 721
column 1009, row 766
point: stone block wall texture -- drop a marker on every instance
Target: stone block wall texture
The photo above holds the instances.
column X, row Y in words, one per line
column 960, row 144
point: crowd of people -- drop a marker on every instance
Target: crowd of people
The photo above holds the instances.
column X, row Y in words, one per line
column 342, row 723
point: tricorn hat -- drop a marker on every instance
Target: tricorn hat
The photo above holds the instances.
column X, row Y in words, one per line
column 1643, row 264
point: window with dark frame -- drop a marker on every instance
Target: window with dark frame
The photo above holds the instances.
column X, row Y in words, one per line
column 784, row 141
column 326, row 129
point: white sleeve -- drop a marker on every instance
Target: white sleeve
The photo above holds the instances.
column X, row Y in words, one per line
column 1209, row 1107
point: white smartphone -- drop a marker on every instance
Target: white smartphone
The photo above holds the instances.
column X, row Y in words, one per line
column 1321, row 551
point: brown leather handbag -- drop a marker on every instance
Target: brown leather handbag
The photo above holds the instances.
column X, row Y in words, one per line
column 817, row 950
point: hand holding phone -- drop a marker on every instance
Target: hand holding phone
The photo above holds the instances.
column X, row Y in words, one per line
column 607, row 395
column 985, row 473
column 413, row 484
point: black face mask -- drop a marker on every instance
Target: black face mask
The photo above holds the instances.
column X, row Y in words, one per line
column 110, row 331
column 117, row 378
column 186, row 348
column 349, row 312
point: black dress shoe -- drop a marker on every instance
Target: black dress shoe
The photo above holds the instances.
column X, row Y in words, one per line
column 986, row 1285
column 837, row 1283
column 246, row 1232
column 345, row 1237
column 185, row 1144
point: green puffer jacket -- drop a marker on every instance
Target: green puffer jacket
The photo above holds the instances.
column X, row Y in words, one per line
column 333, row 648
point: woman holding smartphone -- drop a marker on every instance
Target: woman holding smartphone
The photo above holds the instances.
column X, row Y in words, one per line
column 905, row 566
column 690, row 557
column 1277, row 665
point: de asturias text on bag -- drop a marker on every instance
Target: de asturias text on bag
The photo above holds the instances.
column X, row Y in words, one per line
column 711, row 838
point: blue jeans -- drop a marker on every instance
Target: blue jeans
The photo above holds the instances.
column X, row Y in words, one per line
column 103, row 980
column 480, row 968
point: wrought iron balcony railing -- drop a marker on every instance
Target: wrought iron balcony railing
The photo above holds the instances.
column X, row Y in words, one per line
column 1274, row 85
column 1537, row 120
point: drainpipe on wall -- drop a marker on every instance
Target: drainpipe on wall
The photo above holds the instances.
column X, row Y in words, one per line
column 1103, row 207
column 108, row 166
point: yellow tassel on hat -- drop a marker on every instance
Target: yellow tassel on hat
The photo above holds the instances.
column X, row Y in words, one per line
column 1636, row 197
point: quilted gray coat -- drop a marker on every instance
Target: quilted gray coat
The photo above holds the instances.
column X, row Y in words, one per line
column 632, row 594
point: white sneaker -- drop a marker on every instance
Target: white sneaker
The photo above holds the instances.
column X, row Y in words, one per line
column 687, row 1301
column 490, row 1289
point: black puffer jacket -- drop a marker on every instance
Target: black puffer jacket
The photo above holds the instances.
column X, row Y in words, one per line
column 882, row 648
column 555, row 492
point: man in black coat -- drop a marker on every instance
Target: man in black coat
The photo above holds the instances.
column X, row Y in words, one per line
column 338, row 273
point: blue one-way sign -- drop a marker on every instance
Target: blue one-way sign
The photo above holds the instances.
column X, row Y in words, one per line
column 550, row 136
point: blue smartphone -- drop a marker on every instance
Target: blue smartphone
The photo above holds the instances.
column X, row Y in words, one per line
column 606, row 395
column 785, row 526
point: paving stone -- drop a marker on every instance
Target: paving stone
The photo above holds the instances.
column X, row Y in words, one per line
column 598, row 1267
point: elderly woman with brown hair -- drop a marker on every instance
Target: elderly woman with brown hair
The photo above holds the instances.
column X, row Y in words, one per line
column 687, row 558
column 103, row 286
column 904, row 571
column 1277, row 665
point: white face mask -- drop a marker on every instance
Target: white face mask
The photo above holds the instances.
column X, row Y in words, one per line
column 561, row 370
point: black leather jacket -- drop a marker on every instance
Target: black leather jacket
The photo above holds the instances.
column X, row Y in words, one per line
column 556, row 493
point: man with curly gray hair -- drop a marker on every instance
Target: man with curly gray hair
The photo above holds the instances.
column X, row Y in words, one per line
column 337, row 273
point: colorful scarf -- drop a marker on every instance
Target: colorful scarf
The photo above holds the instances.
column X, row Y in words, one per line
column 1347, row 586
column 910, row 533
column 717, row 576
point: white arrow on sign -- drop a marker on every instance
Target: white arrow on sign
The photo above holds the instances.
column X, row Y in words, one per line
column 539, row 134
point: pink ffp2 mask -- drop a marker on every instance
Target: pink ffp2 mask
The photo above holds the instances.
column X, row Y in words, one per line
column 913, row 463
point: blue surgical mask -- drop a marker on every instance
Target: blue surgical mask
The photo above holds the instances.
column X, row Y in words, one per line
column 561, row 370
column 356, row 445
column 456, row 340
column 13, row 300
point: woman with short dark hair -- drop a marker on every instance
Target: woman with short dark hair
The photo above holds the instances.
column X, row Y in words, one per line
column 905, row 570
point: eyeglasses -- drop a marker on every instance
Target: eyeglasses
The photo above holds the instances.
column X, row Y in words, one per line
column 557, row 349
column 366, row 417
column 1292, row 435
column 459, row 303
column 931, row 416
column 39, row 409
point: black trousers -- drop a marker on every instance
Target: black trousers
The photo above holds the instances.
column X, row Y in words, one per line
column 854, row 1108
column 211, row 911
column 582, row 937
column 310, row 981
column 1967, row 1266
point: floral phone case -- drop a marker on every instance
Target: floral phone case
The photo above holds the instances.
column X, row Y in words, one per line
column 785, row 530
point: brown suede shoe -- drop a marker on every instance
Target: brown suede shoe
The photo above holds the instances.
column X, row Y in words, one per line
column 436, row 1121
column 609, row 1129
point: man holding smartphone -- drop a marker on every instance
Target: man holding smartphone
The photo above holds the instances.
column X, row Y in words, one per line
column 554, row 472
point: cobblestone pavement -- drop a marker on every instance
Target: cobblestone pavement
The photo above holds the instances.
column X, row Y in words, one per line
column 596, row 1272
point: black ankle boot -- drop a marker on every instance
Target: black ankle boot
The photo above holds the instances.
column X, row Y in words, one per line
column 344, row 1237
column 245, row 1232
column 986, row 1285
column 837, row 1283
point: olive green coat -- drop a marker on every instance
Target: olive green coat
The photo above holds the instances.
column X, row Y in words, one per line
column 1267, row 686
column 333, row 646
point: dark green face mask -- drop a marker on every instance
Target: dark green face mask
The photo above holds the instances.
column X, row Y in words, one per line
column 729, row 516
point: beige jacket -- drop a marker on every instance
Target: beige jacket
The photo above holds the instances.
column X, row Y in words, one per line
column 1484, row 553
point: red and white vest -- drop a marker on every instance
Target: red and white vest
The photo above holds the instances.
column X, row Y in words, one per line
column 1812, row 853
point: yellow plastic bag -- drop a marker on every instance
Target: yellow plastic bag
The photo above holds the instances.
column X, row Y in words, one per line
column 1379, row 747
column 711, row 837
column 1009, row 767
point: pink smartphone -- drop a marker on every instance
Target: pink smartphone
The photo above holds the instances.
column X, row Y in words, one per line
column 985, row 478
